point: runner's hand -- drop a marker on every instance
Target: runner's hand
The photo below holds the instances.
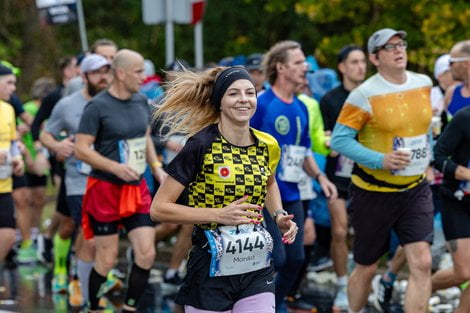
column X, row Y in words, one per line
column 236, row 213
column 18, row 166
column 41, row 164
column 397, row 160
column 125, row 172
column 430, row 176
column 64, row 148
column 328, row 188
column 22, row 129
column 288, row 228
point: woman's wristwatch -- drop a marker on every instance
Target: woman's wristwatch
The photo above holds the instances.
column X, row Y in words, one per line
column 277, row 213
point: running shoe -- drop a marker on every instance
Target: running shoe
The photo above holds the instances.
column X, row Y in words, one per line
column 382, row 294
column 340, row 304
column 59, row 283
column 320, row 264
column 27, row 255
column 112, row 283
column 174, row 280
column 60, row 303
column 75, row 293
column 295, row 303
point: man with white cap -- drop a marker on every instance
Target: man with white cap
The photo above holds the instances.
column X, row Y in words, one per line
column 444, row 78
column 390, row 115
column 66, row 116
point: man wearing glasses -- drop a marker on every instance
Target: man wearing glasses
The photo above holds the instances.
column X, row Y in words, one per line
column 458, row 96
column 390, row 114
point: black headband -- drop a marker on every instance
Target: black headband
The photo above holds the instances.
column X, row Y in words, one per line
column 5, row 70
column 224, row 79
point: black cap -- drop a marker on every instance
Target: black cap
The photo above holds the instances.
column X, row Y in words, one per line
column 253, row 62
column 345, row 51
column 5, row 70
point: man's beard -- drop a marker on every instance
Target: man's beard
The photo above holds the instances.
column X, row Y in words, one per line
column 93, row 90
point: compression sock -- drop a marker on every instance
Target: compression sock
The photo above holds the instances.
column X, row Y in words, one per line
column 136, row 285
column 94, row 285
column 61, row 251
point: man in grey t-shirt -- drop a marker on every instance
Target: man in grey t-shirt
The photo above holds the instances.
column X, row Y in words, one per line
column 116, row 122
column 65, row 118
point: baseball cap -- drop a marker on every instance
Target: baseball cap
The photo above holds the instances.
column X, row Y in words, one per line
column 14, row 69
column 442, row 65
column 380, row 38
column 92, row 62
column 253, row 62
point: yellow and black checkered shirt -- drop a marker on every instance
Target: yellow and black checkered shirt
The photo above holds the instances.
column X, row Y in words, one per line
column 217, row 172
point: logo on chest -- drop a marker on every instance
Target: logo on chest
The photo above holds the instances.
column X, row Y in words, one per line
column 282, row 125
column 224, row 172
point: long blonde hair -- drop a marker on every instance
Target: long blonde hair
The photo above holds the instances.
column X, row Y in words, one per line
column 186, row 108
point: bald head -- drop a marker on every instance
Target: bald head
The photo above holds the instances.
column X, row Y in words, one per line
column 462, row 48
column 126, row 59
column 128, row 71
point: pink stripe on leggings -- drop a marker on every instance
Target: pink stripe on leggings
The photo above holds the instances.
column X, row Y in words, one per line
column 260, row 303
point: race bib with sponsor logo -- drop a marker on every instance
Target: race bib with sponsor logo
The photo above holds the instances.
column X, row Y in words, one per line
column 133, row 152
column 239, row 249
column 420, row 154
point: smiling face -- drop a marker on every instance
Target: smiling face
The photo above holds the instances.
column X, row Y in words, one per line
column 391, row 60
column 238, row 104
column 7, row 86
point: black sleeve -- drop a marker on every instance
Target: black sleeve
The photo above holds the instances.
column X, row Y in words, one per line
column 16, row 104
column 187, row 162
column 90, row 120
column 44, row 112
column 447, row 143
column 325, row 113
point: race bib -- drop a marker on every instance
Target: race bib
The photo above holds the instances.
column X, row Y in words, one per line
column 292, row 163
column 239, row 249
column 420, row 154
column 6, row 168
column 306, row 188
column 83, row 168
column 133, row 152
column 344, row 167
